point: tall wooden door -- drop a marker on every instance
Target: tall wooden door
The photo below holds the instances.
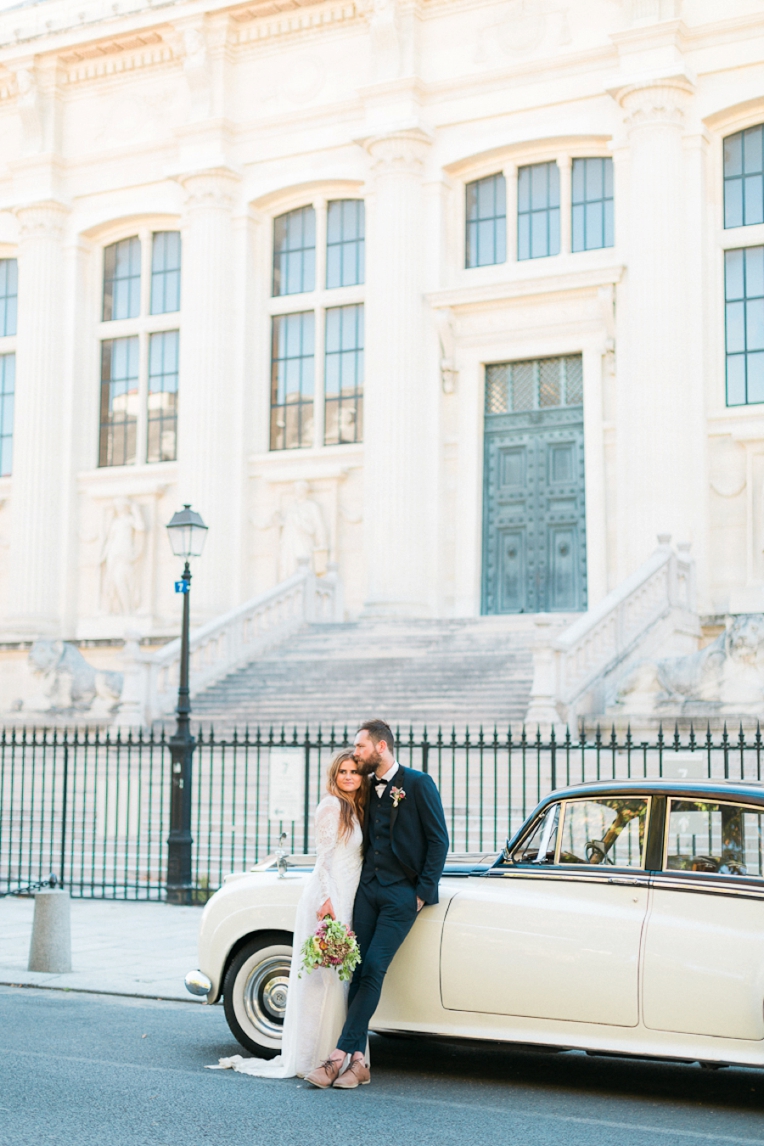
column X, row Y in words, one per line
column 534, row 535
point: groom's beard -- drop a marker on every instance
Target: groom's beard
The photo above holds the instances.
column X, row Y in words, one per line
column 366, row 767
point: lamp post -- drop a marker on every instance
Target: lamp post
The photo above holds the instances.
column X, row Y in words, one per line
column 187, row 533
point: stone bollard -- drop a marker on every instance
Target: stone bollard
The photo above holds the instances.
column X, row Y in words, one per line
column 51, row 946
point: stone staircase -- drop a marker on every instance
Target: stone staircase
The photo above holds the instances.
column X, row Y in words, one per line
column 475, row 671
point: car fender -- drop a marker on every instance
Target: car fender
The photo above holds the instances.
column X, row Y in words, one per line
column 246, row 904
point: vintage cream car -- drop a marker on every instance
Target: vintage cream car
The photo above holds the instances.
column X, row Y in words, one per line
column 623, row 918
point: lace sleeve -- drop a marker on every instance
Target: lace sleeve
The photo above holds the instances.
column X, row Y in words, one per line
column 327, row 832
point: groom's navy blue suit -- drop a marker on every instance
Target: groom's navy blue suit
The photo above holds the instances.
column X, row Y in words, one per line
column 405, row 848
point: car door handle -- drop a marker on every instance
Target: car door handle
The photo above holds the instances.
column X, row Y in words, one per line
column 629, row 882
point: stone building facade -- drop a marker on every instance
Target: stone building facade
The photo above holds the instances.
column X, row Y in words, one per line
column 465, row 297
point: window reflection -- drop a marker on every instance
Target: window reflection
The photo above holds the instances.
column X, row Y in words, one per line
column 607, row 831
column 714, row 837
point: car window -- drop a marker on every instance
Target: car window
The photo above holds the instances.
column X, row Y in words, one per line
column 715, row 837
column 607, row 831
column 540, row 846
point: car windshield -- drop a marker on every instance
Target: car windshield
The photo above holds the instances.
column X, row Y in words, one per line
column 714, row 837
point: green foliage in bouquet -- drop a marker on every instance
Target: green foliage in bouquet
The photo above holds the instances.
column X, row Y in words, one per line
column 333, row 945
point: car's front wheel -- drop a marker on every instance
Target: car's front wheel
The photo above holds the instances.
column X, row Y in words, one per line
column 255, row 992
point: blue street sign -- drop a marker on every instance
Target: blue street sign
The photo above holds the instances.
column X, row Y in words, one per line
column 182, row 586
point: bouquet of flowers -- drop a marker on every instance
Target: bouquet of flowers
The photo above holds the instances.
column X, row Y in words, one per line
column 333, row 945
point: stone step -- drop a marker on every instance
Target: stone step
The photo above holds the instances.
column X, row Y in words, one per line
column 409, row 671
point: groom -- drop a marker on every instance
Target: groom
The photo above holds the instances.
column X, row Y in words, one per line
column 405, row 842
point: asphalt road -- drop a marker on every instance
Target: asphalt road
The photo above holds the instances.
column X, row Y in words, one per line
column 90, row 1070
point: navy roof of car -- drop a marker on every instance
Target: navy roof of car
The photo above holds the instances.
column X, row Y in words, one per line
column 748, row 789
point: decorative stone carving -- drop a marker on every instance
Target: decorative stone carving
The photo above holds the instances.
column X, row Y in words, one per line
column 385, row 41
column 215, row 188
column 726, row 676
column 121, row 552
column 303, row 534
column 663, row 101
column 69, row 682
column 402, row 151
column 29, row 110
column 444, row 317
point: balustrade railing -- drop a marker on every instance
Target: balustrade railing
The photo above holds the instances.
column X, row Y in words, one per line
column 225, row 643
column 657, row 601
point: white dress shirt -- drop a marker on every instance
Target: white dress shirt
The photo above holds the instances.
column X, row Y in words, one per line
column 383, row 780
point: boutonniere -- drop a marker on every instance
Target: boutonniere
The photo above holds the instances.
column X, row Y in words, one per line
column 397, row 795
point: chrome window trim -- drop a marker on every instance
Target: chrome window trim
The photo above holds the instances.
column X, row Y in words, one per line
column 693, row 877
column 579, row 799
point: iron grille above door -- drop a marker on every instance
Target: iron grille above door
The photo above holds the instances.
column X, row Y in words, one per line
column 534, row 535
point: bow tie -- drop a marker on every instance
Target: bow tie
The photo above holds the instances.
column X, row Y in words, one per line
column 381, row 787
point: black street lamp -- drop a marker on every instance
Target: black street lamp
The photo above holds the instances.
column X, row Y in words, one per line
column 187, row 533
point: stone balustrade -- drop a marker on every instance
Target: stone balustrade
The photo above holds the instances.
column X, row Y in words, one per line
column 576, row 671
column 226, row 643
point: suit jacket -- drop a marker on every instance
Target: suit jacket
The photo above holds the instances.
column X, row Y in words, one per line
column 418, row 832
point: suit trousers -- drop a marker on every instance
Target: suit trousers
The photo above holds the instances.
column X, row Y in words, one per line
column 382, row 918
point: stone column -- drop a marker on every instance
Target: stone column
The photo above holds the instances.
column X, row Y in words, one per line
column 207, row 456
column 36, row 553
column 400, row 417
column 658, row 400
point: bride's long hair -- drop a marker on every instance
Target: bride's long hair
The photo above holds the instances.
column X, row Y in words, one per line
column 352, row 804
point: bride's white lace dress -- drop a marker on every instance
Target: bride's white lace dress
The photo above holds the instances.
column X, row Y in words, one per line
column 317, row 1002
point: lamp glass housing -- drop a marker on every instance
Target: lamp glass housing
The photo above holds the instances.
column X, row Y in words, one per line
column 187, row 533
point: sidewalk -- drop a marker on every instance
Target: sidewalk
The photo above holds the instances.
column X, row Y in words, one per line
column 118, row 947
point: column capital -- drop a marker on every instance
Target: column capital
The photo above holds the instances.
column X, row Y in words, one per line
column 655, row 102
column 399, row 151
column 212, row 187
column 46, row 218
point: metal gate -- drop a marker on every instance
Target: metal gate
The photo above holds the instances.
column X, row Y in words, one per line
column 534, row 535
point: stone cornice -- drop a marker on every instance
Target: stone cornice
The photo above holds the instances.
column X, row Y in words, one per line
column 486, row 294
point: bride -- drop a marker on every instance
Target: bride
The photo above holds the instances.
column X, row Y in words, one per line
column 317, row 1002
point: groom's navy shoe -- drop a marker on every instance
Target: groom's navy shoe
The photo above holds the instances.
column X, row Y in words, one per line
column 357, row 1074
column 325, row 1074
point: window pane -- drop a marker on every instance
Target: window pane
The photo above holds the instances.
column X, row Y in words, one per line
column 292, row 369
column 755, row 377
column 538, row 213
column 754, row 272
column 733, row 155
column 744, row 289
column 345, row 228
column 753, row 211
column 733, row 203
column 735, row 379
column 734, row 280
column 165, row 272
column 8, row 296
column 294, row 252
column 7, row 388
column 541, row 845
column 122, row 280
column 592, row 211
column 119, row 401
column 486, row 208
column 534, row 384
column 715, row 838
column 343, row 374
column 743, row 182
column 163, row 397
column 607, row 831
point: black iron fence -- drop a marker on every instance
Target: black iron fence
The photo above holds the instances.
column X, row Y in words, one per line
column 94, row 808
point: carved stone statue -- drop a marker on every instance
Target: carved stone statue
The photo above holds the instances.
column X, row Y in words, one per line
column 69, row 682
column 303, row 534
column 121, row 552
column 726, row 676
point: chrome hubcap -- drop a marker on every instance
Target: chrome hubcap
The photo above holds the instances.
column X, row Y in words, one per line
column 265, row 995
